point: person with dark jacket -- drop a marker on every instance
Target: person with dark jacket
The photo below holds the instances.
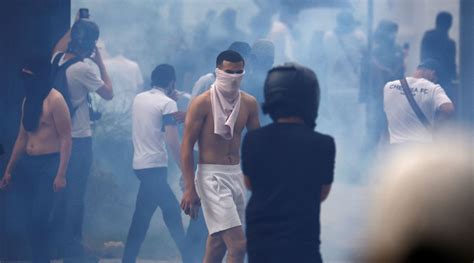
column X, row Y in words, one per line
column 289, row 168
column 437, row 45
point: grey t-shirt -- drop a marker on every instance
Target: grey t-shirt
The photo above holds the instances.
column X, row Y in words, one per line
column 82, row 77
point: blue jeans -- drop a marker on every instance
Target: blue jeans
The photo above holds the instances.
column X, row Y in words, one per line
column 154, row 191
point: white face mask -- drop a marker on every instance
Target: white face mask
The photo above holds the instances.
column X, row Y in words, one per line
column 228, row 84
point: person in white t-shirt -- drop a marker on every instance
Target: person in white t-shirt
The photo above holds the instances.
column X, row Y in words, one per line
column 87, row 75
column 403, row 124
column 153, row 130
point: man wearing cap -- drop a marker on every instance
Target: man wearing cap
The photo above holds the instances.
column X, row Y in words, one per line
column 216, row 120
column 289, row 168
column 406, row 124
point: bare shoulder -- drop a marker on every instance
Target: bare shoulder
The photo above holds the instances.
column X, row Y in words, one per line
column 55, row 98
column 248, row 99
column 202, row 100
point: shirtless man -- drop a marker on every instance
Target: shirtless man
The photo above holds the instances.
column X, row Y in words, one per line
column 42, row 149
column 215, row 120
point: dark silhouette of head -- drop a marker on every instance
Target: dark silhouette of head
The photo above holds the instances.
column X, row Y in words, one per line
column 345, row 22
column 386, row 32
column 444, row 21
column 163, row 76
column 35, row 73
column 429, row 69
column 84, row 35
column 263, row 52
column 243, row 48
column 292, row 90
column 228, row 18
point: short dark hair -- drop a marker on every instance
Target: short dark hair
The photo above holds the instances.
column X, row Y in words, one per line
column 229, row 55
column 162, row 75
column 430, row 64
column 444, row 20
column 84, row 34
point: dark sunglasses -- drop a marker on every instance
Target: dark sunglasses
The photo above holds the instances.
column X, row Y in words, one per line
column 234, row 71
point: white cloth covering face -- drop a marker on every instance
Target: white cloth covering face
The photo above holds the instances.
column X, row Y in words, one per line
column 225, row 102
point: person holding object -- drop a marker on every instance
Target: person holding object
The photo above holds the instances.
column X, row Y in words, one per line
column 289, row 168
column 86, row 74
column 42, row 150
column 215, row 120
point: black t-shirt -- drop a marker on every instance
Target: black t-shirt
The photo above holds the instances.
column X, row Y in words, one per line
column 287, row 164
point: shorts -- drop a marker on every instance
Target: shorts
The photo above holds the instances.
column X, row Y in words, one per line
column 222, row 193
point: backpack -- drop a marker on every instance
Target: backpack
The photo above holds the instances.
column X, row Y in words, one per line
column 59, row 79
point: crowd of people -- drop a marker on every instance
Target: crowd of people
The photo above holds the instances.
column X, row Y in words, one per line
column 214, row 136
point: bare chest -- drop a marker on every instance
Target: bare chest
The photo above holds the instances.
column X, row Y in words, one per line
column 46, row 119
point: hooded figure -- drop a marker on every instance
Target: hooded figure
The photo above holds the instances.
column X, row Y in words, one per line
column 292, row 90
column 35, row 73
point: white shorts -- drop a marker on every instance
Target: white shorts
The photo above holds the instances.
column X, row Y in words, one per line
column 222, row 193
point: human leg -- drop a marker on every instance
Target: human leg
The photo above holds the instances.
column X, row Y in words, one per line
column 171, row 211
column 78, row 173
column 234, row 240
column 215, row 249
column 43, row 170
column 144, row 209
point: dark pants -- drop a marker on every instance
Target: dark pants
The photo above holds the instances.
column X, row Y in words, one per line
column 39, row 173
column 70, row 210
column 284, row 254
column 154, row 191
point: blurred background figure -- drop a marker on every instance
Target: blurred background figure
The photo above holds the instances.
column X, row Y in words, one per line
column 260, row 62
column 114, row 130
column 423, row 208
column 437, row 44
column 343, row 49
column 226, row 29
column 385, row 64
column 282, row 34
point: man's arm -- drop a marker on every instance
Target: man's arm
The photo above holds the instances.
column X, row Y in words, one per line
column 192, row 128
column 18, row 150
column 106, row 91
column 63, row 43
column 247, row 183
column 444, row 115
column 328, row 169
column 445, row 112
column 62, row 121
column 325, row 189
column 253, row 121
column 172, row 142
